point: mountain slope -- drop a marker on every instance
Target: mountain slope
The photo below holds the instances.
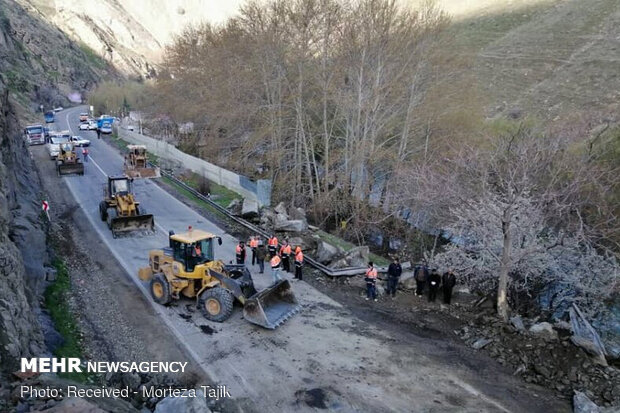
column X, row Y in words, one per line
column 131, row 35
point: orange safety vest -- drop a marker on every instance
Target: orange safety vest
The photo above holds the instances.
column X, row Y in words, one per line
column 285, row 250
column 299, row 257
column 253, row 243
column 371, row 273
column 275, row 262
column 273, row 242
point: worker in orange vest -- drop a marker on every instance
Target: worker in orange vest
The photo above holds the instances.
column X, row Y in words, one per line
column 275, row 268
column 240, row 253
column 272, row 244
column 254, row 247
column 371, row 282
column 299, row 262
column 285, row 253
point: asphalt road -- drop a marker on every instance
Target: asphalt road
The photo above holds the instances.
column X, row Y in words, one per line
column 321, row 358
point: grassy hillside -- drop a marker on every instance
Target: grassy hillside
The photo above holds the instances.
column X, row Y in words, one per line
column 548, row 58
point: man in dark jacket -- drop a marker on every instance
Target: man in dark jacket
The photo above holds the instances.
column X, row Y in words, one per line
column 394, row 271
column 433, row 284
column 420, row 275
column 261, row 253
column 449, row 281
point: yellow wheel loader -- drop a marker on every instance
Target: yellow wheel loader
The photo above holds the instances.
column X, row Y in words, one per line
column 67, row 161
column 187, row 267
column 136, row 165
column 120, row 209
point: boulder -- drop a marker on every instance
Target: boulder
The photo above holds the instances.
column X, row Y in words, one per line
column 74, row 405
column 545, row 330
column 355, row 257
column 406, row 281
column 196, row 404
column 289, row 225
column 305, row 244
column 480, row 343
column 249, row 209
column 280, row 209
column 517, row 322
column 234, row 207
column 297, row 213
column 325, row 252
column 582, row 404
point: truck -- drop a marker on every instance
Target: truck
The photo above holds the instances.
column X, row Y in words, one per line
column 49, row 116
column 104, row 124
column 34, row 135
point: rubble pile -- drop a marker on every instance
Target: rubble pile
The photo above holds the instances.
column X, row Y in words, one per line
column 544, row 354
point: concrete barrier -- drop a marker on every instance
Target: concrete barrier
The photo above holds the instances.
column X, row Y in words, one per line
column 260, row 190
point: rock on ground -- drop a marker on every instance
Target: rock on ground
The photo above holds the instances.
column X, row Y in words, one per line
column 544, row 329
column 249, row 209
column 407, row 280
column 582, row 404
column 196, row 404
column 325, row 252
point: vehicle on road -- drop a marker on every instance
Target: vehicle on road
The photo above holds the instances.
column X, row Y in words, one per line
column 83, row 117
column 136, row 163
column 188, row 267
column 84, row 126
column 34, row 135
column 49, row 116
column 58, row 109
column 67, row 161
column 120, row 209
column 53, row 147
column 79, row 141
column 105, row 127
column 92, row 125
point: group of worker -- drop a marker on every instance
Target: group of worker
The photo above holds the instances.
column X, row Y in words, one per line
column 279, row 256
column 423, row 279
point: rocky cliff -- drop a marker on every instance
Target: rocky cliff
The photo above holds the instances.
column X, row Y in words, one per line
column 131, row 35
column 41, row 65
column 20, row 229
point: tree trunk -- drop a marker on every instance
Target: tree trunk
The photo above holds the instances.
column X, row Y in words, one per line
column 503, row 308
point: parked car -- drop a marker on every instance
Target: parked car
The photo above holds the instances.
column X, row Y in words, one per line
column 53, row 147
column 79, row 141
column 58, row 109
column 92, row 125
column 35, row 135
column 83, row 117
column 84, row 126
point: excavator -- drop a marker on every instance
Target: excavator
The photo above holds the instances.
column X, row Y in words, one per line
column 187, row 267
column 67, row 161
column 136, row 164
column 120, row 209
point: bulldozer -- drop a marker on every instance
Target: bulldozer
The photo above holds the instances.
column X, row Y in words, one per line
column 187, row 267
column 136, row 164
column 120, row 209
column 67, row 161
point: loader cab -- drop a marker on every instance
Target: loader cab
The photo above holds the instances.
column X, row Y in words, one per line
column 192, row 248
column 119, row 186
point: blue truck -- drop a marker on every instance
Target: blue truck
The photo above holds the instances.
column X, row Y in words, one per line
column 104, row 124
column 49, row 116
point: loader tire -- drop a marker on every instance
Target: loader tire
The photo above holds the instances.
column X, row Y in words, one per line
column 103, row 211
column 160, row 289
column 216, row 304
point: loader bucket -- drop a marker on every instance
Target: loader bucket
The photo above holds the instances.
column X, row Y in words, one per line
column 272, row 306
column 70, row 168
column 143, row 172
column 120, row 225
